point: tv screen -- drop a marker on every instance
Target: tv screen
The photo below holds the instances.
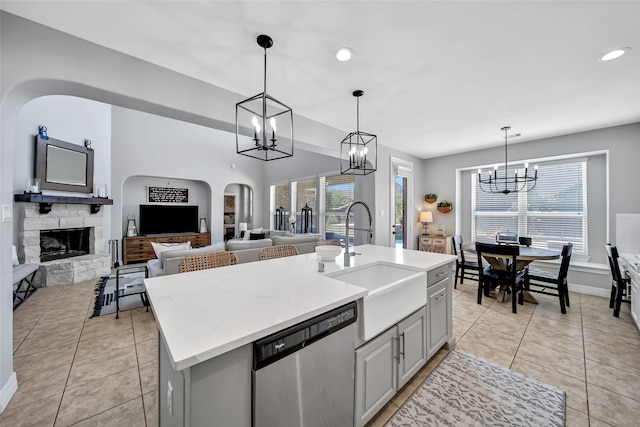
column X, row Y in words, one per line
column 166, row 219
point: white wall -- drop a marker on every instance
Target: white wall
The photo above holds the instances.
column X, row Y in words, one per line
column 72, row 120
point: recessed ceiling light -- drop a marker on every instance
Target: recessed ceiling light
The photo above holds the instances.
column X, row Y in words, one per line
column 344, row 54
column 617, row 53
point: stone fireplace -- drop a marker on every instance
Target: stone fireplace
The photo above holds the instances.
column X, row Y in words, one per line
column 67, row 242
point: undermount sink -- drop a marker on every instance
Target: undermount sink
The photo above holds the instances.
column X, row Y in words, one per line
column 395, row 291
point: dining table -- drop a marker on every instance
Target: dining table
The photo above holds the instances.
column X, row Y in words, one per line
column 526, row 256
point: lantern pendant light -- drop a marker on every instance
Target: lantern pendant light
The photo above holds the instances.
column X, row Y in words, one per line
column 358, row 150
column 264, row 125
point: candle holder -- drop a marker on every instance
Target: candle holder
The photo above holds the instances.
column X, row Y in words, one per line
column 32, row 186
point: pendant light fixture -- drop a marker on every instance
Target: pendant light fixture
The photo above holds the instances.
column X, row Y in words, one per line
column 358, row 150
column 264, row 125
column 507, row 183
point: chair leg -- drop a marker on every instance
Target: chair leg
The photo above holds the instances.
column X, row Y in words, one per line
column 566, row 294
column 480, row 290
column 455, row 282
column 562, row 295
column 618, row 301
column 462, row 276
column 514, row 305
column 612, row 299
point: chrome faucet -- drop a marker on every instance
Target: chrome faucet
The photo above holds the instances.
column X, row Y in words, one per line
column 347, row 255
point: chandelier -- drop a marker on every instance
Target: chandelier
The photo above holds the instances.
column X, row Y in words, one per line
column 254, row 114
column 507, row 183
column 358, row 150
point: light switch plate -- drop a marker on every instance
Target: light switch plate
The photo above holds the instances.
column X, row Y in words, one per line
column 7, row 213
column 381, row 212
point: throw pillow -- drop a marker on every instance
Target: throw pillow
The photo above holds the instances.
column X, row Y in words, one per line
column 248, row 235
column 256, row 236
column 14, row 256
column 158, row 248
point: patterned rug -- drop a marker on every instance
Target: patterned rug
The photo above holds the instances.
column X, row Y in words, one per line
column 465, row 390
column 105, row 302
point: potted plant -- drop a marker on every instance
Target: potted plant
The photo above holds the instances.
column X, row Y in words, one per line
column 430, row 198
column 445, row 206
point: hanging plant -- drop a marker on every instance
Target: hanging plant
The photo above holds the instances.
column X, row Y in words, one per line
column 430, row 198
column 445, row 206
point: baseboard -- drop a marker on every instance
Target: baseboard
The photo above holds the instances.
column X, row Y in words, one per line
column 8, row 390
column 589, row 290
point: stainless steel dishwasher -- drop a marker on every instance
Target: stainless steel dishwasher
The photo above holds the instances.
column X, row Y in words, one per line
column 303, row 376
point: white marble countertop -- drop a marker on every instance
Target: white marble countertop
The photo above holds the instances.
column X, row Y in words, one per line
column 203, row 314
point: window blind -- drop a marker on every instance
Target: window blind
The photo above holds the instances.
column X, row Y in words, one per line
column 552, row 214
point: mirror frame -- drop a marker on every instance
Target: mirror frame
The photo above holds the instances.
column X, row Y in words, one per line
column 41, row 165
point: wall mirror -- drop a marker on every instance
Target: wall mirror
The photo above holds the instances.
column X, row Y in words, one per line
column 64, row 166
column 237, row 208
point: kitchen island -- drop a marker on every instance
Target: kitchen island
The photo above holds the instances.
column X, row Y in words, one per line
column 209, row 319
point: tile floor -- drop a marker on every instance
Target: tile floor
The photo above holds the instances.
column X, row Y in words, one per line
column 77, row 371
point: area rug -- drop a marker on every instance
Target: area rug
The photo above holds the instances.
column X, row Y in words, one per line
column 465, row 390
column 105, row 301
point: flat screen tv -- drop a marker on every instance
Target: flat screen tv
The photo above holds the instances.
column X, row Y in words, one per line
column 168, row 219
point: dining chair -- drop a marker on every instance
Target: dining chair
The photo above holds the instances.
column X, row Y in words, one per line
column 557, row 282
column 206, row 261
column 278, row 251
column 465, row 269
column 619, row 284
column 502, row 271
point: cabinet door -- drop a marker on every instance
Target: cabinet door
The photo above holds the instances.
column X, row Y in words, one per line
column 635, row 304
column 376, row 364
column 439, row 311
column 412, row 333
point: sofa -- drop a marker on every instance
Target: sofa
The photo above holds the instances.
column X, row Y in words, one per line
column 246, row 250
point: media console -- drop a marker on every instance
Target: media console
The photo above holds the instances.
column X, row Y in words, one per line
column 139, row 249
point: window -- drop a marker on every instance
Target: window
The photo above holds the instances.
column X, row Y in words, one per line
column 338, row 195
column 306, row 196
column 280, row 199
column 552, row 214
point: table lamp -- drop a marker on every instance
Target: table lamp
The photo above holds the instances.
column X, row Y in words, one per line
column 425, row 218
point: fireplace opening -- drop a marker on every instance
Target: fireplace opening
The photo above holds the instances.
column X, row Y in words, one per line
column 66, row 243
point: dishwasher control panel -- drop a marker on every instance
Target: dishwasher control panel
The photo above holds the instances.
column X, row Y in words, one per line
column 276, row 346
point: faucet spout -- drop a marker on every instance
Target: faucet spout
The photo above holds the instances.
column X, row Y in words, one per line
column 347, row 255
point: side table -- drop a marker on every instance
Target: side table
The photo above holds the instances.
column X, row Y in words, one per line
column 433, row 243
column 132, row 285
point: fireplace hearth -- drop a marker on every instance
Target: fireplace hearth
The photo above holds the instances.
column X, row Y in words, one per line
column 65, row 243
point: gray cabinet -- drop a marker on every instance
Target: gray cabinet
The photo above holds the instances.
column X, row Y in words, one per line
column 439, row 308
column 386, row 363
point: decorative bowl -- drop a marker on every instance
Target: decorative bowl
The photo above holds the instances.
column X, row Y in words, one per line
column 328, row 252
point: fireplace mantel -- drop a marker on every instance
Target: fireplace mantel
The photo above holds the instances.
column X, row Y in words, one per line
column 46, row 202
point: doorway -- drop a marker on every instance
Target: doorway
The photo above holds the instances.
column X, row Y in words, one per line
column 401, row 214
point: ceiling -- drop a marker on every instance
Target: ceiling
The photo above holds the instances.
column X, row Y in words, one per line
column 440, row 77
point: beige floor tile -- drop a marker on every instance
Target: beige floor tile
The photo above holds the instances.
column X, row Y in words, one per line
column 39, row 344
column 98, row 330
column 150, row 401
column 594, row 422
column 482, row 350
column 502, row 342
column 559, row 326
column 552, row 358
column 613, row 379
column 44, row 328
column 45, row 361
column 130, row 414
column 460, row 327
column 630, row 342
column 576, row 392
column 467, row 316
column 147, row 351
column 618, row 410
column 144, row 328
column 149, row 376
column 610, row 356
column 63, row 311
column 36, row 386
column 556, row 340
column 87, row 400
column 384, row 415
column 102, row 365
column 40, row 413
column 101, row 344
column 575, row 418
column 500, row 322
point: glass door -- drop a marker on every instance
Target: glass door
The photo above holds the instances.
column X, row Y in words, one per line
column 399, row 232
